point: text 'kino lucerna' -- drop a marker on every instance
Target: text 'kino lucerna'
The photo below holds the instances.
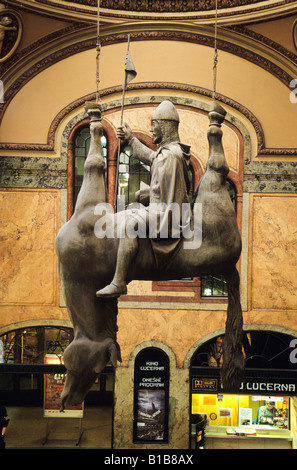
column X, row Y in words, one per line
column 151, row 366
column 270, row 387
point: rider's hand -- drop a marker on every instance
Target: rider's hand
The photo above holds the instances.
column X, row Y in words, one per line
column 125, row 133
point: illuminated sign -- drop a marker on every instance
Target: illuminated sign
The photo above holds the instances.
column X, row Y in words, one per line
column 271, row 386
column 204, row 384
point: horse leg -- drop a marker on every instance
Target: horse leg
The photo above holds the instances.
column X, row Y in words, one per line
column 94, row 320
column 233, row 359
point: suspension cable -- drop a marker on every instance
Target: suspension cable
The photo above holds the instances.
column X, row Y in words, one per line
column 98, row 51
column 215, row 56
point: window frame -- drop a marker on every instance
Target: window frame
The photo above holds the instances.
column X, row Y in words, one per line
column 112, row 145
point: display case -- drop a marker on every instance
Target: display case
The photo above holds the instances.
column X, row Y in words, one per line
column 242, row 421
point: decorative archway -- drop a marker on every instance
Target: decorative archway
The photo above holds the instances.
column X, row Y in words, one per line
column 204, row 344
column 263, row 349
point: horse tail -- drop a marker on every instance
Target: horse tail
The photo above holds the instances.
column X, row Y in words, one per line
column 233, row 359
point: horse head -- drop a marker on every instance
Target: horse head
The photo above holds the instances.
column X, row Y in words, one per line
column 84, row 359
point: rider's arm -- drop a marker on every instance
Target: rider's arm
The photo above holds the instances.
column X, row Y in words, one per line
column 142, row 152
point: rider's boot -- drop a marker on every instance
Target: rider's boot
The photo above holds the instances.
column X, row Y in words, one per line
column 126, row 252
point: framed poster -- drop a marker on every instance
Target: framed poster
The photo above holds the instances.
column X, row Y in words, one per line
column 151, row 390
column 53, row 388
column 245, row 416
column 225, row 412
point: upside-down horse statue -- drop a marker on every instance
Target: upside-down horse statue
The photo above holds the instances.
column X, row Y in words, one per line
column 97, row 264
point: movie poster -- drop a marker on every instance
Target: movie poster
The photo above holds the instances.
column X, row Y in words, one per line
column 53, row 388
column 151, row 415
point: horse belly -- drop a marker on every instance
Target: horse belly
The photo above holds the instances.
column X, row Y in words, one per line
column 83, row 255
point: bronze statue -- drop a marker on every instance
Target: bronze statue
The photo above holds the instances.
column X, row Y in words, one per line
column 86, row 269
column 169, row 185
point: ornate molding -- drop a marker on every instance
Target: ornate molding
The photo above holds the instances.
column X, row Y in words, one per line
column 229, row 11
column 42, row 42
column 79, row 32
column 204, row 38
column 165, row 6
column 270, row 177
column 294, row 32
column 11, row 28
column 204, row 35
column 47, row 172
column 176, row 88
column 267, row 41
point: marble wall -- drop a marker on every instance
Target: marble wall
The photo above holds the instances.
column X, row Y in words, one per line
column 29, row 266
column 273, row 253
column 29, row 289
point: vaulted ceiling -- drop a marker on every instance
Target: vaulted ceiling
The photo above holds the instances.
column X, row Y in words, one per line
column 201, row 11
column 53, row 44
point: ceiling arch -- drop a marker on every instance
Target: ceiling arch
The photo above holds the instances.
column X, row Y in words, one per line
column 199, row 11
column 72, row 40
column 69, row 73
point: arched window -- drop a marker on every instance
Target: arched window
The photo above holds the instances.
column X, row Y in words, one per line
column 31, row 345
column 262, row 350
column 130, row 170
column 81, row 148
column 232, row 193
column 131, row 173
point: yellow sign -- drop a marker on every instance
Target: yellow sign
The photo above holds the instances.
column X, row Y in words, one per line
column 204, row 384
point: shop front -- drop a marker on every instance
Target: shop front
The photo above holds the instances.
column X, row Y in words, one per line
column 262, row 415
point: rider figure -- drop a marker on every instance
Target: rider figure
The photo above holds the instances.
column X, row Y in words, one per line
column 169, row 184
